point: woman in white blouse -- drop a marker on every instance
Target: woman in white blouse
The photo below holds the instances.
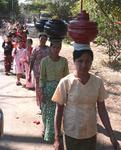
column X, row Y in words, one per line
column 76, row 96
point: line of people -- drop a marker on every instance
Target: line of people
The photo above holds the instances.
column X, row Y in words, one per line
column 20, row 56
column 11, row 38
column 63, row 97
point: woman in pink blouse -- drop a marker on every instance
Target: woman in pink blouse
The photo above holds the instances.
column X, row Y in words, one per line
column 38, row 53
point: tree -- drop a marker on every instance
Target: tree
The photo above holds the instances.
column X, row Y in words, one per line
column 9, row 8
column 61, row 8
column 34, row 7
column 106, row 13
column 3, row 6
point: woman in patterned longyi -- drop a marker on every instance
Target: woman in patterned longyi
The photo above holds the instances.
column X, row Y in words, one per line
column 53, row 68
column 38, row 53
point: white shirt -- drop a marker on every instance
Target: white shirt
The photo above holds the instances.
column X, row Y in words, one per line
column 79, row 104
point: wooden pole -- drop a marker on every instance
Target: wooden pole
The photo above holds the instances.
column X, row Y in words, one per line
column 81, row 5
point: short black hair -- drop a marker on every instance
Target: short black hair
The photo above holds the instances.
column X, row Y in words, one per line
column 43, row 34
column 55, row 42
column 77, row 54
column 30, row 40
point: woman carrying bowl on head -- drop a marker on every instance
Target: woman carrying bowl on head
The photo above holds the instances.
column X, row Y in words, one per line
column 76, row 97
column 53, row 68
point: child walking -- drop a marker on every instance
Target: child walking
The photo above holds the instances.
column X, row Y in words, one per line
column 18, row 57
column 26, row 61
column 8, row 47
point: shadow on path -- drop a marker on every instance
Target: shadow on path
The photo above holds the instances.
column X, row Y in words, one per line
column 12, row 96
column 101, row 146
column 1, row 70
column 6, row 148
column 8, row 138
column 1, row 60
column 22, row 139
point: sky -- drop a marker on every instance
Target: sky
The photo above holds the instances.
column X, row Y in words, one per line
column 21, row 1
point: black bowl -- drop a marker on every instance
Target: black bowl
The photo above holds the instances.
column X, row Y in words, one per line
column 55, row 29
column 40, row 25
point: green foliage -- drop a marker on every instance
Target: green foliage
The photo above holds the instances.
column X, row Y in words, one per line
column 3, row 6
column 106, row 13
column 34, row 7
column 76, row 8
column 9, row 8
column 62, row 9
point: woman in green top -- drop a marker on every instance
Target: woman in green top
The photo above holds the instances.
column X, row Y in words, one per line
column 53, row 68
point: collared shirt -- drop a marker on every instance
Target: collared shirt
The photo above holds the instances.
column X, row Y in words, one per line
column 53, row 70
column 79, row 100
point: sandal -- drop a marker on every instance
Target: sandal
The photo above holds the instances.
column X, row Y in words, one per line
column 24, row 85
column 18, row 83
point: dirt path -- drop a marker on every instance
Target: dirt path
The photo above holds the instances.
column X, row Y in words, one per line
column 20, row 110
